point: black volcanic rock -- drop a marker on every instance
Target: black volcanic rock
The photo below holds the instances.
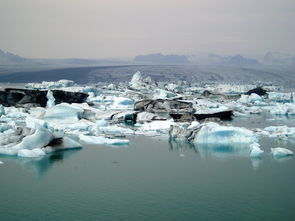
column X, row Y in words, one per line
column 223, row 115
column 259, row 91
column 22, row 97
column 163, row 105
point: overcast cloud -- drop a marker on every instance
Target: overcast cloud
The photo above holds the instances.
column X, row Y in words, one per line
column 125, row 28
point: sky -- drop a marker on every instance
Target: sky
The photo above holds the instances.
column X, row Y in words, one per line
column 126, row 28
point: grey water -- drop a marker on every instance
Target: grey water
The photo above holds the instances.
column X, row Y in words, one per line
column 151, row 179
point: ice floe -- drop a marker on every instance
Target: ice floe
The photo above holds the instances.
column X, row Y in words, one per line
column 102, row 140
column 281, row 152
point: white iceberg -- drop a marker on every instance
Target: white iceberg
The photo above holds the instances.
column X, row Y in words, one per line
column 147, row 117
column 255, row 150
column 252, row 99
column 281, row 97
column 37, row 152
column 162, row 94
column 281, row 152
column 50, row 99
column 65, row 144
column 159, row 126
column 50, row 84
column 213, row 133
column 63, row 113
column 40, row 138
column 122, row 103
column 102, row 140
column 115, row 129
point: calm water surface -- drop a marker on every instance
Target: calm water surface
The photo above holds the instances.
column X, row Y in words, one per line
column 151, row 179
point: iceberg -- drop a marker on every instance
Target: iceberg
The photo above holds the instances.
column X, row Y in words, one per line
column 102, row 140
column 252, row 99
column 281, row 97
column 162, row 94
column 144, row 116
column 63, row 113
column 281, row 152
column 65, row 143
column 50, row 84
column 37, row 152
column 139, row 83
column 114, row 129
column 122, row 103
column 159, row 126
column 255, row 152
column 50, row 99
column 213, row 133
column 39, row 139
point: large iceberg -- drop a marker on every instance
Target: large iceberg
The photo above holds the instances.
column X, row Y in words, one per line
column 213, row 133
column 39, row 139
column 63, row 113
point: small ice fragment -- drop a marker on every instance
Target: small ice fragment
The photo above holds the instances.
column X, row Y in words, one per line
column 102, row 140
column 281, row 152
column 255, row 150
column 51, row 99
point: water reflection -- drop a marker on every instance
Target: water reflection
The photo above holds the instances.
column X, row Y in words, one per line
column 41, row 165
column 216, row 151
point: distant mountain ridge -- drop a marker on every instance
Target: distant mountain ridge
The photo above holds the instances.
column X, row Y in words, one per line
column 7, row 57
column 159, row 58
column 278, row 58
column 236, row 60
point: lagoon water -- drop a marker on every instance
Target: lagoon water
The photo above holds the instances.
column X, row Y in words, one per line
column 151, row 179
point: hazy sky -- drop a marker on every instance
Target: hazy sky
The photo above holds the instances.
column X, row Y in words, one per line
column 125, row 28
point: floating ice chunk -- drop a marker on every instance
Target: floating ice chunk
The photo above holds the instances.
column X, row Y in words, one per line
column 114, row 129
column 37, row 152
column 102, row 140
column 37, row 112
column 147, row 117
column 111, row 87
column 160, row 126
column 65, row 144
column 280, row 97
column 193, row 125
column 253, row 99
column 139, row 83
column 281, row 152
column 1, row 162
column 40, row 138
column 101, row 123
column 93, row 90
column 174, row 87
column 162, row 94
column 63, row 113
column 51, row 99
column 213, row 133
column 50, row 84
column 279, row 131
column 31, row 122
column 255, row 150
column 122, row 103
